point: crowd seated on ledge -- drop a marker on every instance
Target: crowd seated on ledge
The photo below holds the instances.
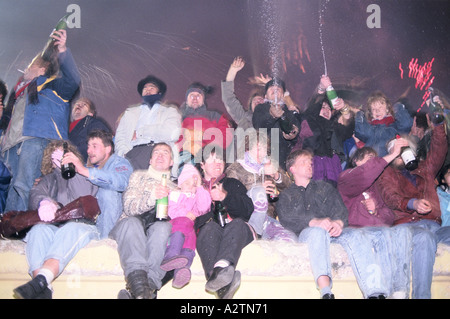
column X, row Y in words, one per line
column 172, row 182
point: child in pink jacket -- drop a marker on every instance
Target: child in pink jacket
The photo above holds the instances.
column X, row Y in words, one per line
column 185, row 205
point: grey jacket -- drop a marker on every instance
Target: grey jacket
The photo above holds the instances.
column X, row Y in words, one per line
column 54, row 186
column 297, row 205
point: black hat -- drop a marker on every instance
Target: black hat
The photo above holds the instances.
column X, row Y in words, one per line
column 273, row 82
column 152, row 79
column 200, row 88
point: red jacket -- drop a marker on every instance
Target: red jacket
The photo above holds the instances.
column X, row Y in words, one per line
column 397, row 190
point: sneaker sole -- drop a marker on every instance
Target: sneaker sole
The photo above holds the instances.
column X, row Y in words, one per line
column 223, row 279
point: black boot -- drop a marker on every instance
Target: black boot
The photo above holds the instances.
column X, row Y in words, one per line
column 229, row 290
column 37, row 288
column 138, row 286
column 220, row 278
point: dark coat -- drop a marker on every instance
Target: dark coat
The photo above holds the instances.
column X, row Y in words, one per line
column 351, row 185
column 78, row 135
column 262, row 119
column 237, row 203
column 397, row 189
column 298, row 205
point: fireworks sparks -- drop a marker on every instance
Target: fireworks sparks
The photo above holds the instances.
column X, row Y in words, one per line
column 422, row 74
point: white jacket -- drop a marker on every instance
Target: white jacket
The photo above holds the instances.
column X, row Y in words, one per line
column 166, row 127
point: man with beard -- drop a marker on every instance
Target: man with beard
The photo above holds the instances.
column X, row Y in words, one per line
column 413, row 198
column 50, row 247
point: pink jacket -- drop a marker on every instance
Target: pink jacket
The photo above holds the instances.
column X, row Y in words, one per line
column 182, row 203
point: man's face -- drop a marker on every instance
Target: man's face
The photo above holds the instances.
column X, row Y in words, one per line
column 80, row 110
column 161, row 159
column 303, row 167
column 195, row 100
column 98, row 153
column 213, row 167
column 274, row 93
column 150, row 89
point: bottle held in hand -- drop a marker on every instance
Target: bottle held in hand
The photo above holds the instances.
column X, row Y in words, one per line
column 67, row 170
column 162, row 204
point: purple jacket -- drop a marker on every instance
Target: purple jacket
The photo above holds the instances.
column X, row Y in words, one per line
column 351, row 185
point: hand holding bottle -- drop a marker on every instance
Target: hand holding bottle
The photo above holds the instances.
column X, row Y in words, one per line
column 60, row 38
column 161, row 191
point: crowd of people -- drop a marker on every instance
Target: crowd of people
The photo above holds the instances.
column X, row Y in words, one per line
column 269, row 170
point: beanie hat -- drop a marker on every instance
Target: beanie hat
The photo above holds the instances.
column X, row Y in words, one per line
column 275, row 82
column 152, row 79
column 187, row 172
column 199, row 88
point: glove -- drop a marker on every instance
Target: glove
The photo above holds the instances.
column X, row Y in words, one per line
column 47, row 210
column 57, row 156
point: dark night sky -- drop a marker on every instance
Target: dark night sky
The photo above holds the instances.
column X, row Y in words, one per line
column 182, row 41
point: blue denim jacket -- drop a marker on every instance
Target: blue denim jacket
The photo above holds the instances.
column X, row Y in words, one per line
column 112, row 181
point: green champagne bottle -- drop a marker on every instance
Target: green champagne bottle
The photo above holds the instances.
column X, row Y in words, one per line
column 162, row 204
column 332, row 96
column 49, row 46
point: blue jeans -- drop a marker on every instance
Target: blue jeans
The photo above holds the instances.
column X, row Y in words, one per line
column 140, row 250
column 359, row 250
column 443, row 235
column 24, row 162
column 423, row 256
column 392, row 247
column 46, row 241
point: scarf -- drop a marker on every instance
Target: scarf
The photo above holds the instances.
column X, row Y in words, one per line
column 251, row 165
column 388, row 120
column 150, row 100
column 213, row 181
column 73, row 124
column 153, row 173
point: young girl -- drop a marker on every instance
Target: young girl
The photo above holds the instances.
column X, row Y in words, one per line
column 443, row 191
column 383, row 122
column 185, row 205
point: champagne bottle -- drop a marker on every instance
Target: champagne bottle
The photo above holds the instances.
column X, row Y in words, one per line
column 332, row 96
column 162, row 204
column 436, row 111
column 49, row 46
column 220, row 213
column 67, row 170
column 409, row 157
column 272, row 198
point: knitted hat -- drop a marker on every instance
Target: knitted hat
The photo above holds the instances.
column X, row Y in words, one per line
column 199, row 88
column 275, row 82
column 152, row 79
column 187, row 172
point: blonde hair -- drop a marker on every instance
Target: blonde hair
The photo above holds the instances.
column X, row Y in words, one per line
column 47, row 163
